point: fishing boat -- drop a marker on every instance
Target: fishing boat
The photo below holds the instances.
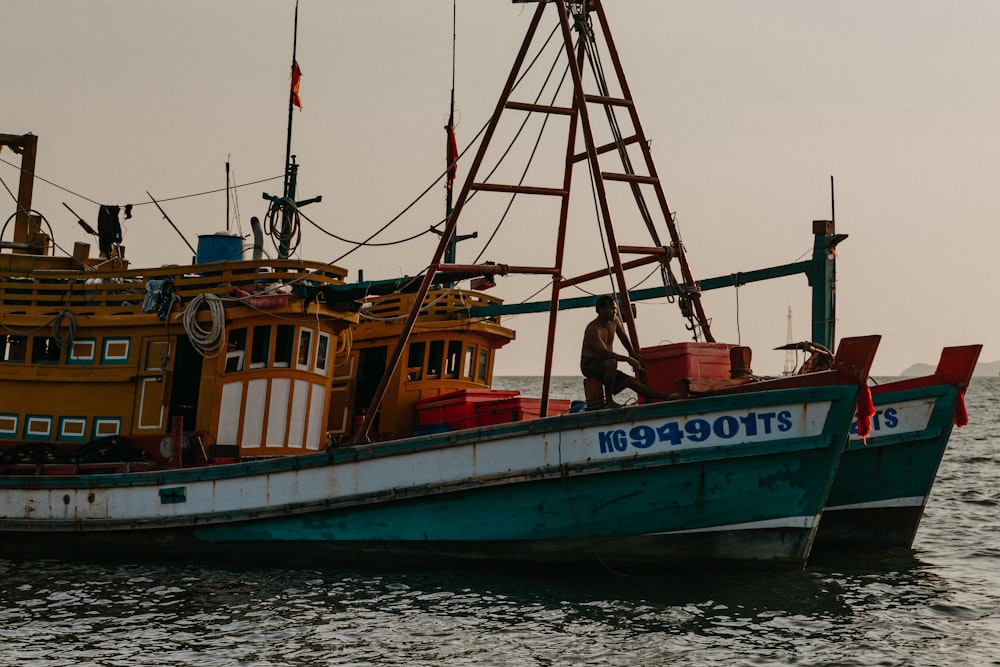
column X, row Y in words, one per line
column 249, row 410
column 884, row 481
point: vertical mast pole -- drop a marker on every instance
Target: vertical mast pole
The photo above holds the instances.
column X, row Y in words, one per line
column 288, row 189
column 452, row 151
column 228, row 193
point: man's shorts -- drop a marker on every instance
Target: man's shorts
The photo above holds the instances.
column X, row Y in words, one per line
column 592, row 367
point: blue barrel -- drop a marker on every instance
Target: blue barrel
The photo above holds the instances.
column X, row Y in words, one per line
column 221, row 247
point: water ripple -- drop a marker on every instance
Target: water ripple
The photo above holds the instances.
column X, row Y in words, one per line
column 937, row 604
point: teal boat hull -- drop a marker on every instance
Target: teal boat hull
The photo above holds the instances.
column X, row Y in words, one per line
column 883, row 483
column 731, row 480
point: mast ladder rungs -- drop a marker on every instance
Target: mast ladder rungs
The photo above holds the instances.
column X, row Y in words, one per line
column 540, row 108
column 613, row 101
column 520, row 189
column 629, row 178
column 614, row 145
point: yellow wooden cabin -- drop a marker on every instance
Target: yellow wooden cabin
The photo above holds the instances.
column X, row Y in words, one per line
column 447, row 351
column 83, row 357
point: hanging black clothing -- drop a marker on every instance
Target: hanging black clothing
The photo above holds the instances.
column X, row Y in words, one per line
column 109, row 230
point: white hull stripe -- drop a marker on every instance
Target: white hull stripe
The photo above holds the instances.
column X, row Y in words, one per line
column 784, row 522
column 913, row 501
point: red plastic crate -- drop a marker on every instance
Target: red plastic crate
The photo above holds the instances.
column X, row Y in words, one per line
column 458, row 408
column 668, row 364
column 518, row 409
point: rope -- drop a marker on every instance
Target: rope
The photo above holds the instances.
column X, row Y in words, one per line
column 66, row 340
column 275, row 220
column 208, row 342
column 370, row 244
column 563, row 477
column 342, row 351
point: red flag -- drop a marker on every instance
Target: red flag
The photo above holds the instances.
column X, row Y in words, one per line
column 451, row 154
column 296, row 79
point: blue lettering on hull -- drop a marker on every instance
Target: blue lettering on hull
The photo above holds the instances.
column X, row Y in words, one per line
column 696, row 431
column 882, row 420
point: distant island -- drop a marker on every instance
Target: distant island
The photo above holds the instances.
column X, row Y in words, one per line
column 991, row 368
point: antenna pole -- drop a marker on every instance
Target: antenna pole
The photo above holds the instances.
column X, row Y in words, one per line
column 833, row 205
column 288, row 144
column 452, row 152
column 167, row 218
column 288, row 191
column 227, row 194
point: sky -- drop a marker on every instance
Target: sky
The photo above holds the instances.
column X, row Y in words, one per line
column 749, row 107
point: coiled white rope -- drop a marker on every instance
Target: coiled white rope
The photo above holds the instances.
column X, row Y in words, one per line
column 208, row 342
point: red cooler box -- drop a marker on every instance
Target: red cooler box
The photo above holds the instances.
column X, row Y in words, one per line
column 458, row 409
column 518, row 409
column 668, row 364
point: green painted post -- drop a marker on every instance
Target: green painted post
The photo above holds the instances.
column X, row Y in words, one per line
column 822, row 276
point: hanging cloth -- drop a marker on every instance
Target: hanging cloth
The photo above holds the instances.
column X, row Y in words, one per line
column 109, row 230
column 159, row 297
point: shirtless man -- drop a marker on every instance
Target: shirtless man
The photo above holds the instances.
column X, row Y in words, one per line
column 598, row 359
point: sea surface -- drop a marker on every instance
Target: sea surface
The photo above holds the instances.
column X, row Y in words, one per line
column 938, row 604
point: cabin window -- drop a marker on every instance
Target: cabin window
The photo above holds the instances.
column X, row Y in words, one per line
column 115, row 351
column 415, row 361
column 12, row 348
column 9, row 425
column 467, row 365
column 82, row 351
column 434, row 359
column 453, row 359
column 105, row 426
column 236, row 350
column 44, row 350
column 304, row 359
column 322, row 353
column 484, row 356
column 72, row 429
column 260, row 346
column 283, row 346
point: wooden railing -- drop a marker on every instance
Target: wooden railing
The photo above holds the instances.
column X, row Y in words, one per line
column 437, row 305
column 123, row 290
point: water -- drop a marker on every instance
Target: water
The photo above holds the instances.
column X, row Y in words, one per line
column 936, row 605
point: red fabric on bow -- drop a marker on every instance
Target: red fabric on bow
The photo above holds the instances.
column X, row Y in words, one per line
column 865, row 410
column 961, row 414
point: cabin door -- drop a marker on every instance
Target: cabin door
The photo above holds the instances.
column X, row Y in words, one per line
column 151, row 385
column 185, row 383
column 371, row 366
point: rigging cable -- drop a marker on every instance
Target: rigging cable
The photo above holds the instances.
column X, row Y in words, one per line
column 534, row 150
column 584, row 26
column 687, row 295
column 142, row 203
column 367, row 241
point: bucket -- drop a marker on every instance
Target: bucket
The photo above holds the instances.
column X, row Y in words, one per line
column 219, row 247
